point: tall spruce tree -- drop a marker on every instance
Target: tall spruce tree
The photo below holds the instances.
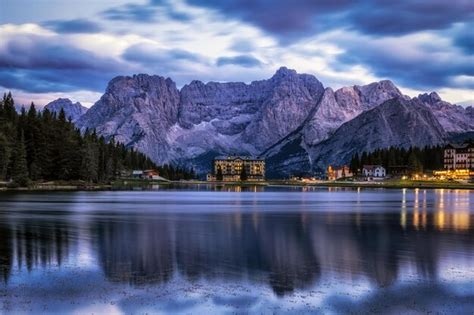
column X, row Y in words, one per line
column 20, row 167
column 243, row 174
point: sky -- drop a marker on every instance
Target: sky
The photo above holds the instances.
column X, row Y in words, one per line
column 72, row 48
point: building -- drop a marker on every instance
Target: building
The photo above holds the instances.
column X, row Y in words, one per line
column 334, row 173
column 137, row 173
column 147, row 174
column 459, row 157
column 151, row 174
column 399, row 170
column 232, row 168
column 377, row 171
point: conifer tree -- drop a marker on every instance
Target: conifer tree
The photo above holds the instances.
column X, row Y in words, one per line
column 20, row 168
column 219, row 175
column 243, row 174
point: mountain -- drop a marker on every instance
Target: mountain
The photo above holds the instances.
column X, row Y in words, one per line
column 201, row 121
column 398, row 122
column 138, row 111
column 72, row 110
column 291, row 120
column 453, row 118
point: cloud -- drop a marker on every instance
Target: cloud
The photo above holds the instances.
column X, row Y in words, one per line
column 291, row 20
column 150, row 12
column 73, row 26
column 243, row 45
column 406, row 16
column 419, row 61
column 464, row 38
column 132, row 12
column 40, row 63
column 149, row 53
column 246, row 61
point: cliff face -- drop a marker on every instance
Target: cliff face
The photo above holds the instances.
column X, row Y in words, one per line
column 453, row 118
column 72, row 110
column 290, row 119
column 399, row 122
column 137, row 111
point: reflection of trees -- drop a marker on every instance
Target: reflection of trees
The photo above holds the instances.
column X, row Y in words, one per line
column 287, row 251
column 135, row 251
column 32, row 243
column 6, row 252
column 233, row 245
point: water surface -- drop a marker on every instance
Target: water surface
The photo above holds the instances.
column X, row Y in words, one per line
column 206, row 250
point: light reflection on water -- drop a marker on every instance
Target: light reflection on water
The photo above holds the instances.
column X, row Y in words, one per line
column 258, row 250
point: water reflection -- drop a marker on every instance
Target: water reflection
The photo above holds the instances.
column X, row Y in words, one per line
column 144, row 239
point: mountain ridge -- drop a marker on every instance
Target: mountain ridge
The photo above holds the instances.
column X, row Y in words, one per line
column 264, row 118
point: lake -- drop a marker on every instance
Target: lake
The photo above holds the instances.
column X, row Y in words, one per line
column 207, row 250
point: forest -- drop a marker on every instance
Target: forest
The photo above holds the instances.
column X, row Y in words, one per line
column 44, row 146
column 415, row 159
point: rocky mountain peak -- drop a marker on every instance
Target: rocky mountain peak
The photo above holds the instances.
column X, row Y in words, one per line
column 430, row 99
column 72, row 110
column 284, row 72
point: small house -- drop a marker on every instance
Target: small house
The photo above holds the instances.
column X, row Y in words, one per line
column 377, row 171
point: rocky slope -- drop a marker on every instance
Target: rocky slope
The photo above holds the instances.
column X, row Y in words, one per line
column 72, row 110
column 453, row 118
column 138, row 111
column 399, row 122
column 290, row 119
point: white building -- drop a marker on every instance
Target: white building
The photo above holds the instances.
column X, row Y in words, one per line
column 374, row 171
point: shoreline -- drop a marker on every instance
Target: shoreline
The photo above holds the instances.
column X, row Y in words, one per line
column 126, row 185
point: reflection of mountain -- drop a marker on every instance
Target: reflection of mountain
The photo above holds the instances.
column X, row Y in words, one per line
column 31, row 244
column 287, row 251
column 135, row 251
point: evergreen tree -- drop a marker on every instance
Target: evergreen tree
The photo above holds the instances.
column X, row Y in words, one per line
column 49, row 147
column 5, row 154
column 243, row 174
column 20, row 168
column 219, row 175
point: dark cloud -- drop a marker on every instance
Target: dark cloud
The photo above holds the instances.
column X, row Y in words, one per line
column 242, row 60
column 420, row 67
column 40, row 52
column 46, row 64
column 145, row 13
column 73, row 26
column 287, row 19
column 131, row 12
column 294, row 19
column 403, row 17
column 464, row 38
column 146, row 54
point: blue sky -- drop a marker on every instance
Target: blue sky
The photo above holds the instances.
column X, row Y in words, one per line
column 68, row 48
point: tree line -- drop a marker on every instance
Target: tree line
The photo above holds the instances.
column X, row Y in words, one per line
column 42, row 145
column 414, row 159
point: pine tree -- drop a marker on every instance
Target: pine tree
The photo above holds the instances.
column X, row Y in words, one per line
column 5, row 154
column 20, row 168
column 219, row 175
column 243, row 174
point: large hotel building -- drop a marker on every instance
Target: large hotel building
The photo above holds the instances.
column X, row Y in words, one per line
column 459, row 157
column 230, row 168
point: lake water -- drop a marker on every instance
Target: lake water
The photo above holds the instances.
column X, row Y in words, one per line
column 206, row 250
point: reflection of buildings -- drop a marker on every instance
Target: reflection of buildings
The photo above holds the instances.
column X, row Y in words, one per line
column 287, row 251
column 284, row 250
